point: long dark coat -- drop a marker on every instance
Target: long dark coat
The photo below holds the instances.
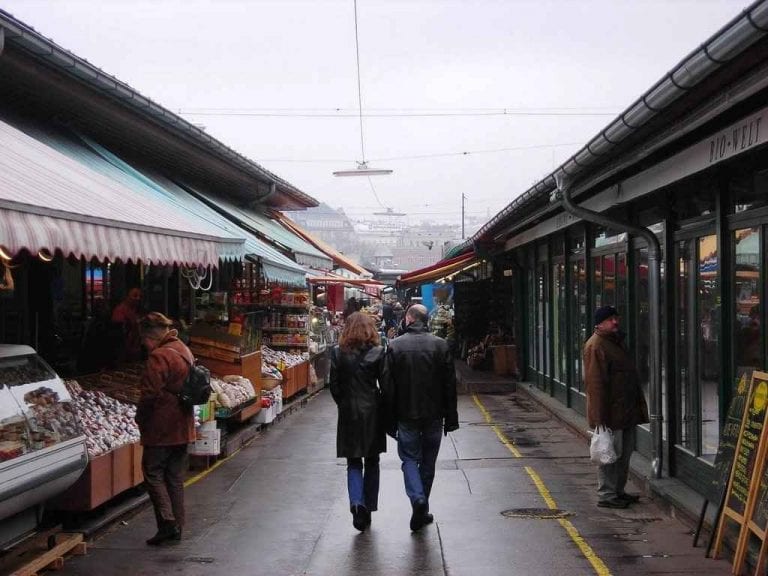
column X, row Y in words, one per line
column 354, row 386
column 614, row 396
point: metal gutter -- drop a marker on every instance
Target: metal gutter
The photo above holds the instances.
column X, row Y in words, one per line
column 654, row 311
column 26, row 38
column 727, row 43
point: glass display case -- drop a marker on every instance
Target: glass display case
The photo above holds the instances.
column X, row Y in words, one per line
column 36, row 409
column 42, row 445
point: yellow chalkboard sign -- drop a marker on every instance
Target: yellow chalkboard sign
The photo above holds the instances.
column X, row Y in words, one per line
column 746, row 479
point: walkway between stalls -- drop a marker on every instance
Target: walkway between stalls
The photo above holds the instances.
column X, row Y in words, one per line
column 279, row 507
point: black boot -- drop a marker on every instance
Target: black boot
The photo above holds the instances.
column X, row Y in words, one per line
column 419, row 516
column 360, row 517
column 167, row 532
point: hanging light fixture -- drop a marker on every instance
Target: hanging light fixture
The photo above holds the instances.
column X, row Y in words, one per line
column 362, row 167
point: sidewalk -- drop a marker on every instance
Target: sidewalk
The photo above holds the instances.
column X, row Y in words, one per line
column 279, row 507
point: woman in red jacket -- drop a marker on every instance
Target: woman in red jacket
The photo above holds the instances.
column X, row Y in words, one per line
column 166, row 425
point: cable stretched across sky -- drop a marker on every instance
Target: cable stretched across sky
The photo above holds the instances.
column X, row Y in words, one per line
column 371, row 113
column 423, row 156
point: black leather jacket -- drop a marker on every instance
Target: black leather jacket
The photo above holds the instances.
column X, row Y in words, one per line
column 360, row 430
column 419, row 380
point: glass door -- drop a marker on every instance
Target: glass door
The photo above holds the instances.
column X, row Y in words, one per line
column 698, row 345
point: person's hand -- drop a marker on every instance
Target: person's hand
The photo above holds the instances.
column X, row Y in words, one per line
column 449, row 427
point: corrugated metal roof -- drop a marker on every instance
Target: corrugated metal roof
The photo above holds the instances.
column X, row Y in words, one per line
column 278, row 267
column 50, row 200
column 19, row 34
column 306, row 254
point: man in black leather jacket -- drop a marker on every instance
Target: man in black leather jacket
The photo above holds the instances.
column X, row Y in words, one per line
column 419, row 387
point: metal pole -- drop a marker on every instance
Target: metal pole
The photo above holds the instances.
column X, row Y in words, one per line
column 654, row 311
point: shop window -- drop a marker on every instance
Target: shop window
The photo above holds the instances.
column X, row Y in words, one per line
column 597, row 280
column 606, row 237
column 694, row 197
column 576, row 241
column 559, row 321
column 748, row 334
column 97, row 287
column 698, row 348
column 609, row 281
column 748, row 189
column 579, row 322
column 709, row 342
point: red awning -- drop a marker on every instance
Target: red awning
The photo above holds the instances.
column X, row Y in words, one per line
column 372, row 287
column 437, row 271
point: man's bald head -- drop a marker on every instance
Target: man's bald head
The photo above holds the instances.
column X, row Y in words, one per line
column 416, row 313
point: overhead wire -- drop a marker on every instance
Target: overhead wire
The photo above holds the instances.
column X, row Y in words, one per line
column 369, row 114
column 423, row 156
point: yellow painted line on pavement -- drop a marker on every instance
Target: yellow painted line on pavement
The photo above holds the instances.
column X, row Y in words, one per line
column 512, row 448
column 597, row 564
column 218, row 463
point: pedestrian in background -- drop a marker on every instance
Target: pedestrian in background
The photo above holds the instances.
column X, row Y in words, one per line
column 614, row 400
column 356, row 366
column 126, row 317
column 165, row 424
column 419, row 386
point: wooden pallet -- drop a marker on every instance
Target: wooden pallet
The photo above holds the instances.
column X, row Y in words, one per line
column 46, row 554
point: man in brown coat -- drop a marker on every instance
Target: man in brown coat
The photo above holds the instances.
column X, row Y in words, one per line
column 165, row 424
column 614, row 400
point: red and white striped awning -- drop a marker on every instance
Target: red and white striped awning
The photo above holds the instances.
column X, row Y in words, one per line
column 50, row 201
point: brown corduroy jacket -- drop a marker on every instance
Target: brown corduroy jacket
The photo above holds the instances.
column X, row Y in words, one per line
column 614, row 396
column 162, row 419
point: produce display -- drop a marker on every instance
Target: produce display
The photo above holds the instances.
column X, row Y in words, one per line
column 123, row 384
column 276, row 359
column 108, row 423
column 231, row 391
column 268, row 371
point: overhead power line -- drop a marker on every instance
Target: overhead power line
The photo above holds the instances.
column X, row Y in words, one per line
column 423, row 156
column 404, row 114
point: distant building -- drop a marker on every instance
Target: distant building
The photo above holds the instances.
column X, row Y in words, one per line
column 330, row 226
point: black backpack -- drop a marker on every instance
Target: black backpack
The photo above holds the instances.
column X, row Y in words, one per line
column 196, row 388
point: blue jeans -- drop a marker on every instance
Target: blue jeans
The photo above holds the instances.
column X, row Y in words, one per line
column 363, row 482
column 417, row 445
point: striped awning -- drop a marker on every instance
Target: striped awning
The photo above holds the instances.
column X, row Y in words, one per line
column 51, row 201
column 437, row 271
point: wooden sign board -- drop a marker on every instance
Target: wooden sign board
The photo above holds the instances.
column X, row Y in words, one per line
column 741, row 496
column 729, row 436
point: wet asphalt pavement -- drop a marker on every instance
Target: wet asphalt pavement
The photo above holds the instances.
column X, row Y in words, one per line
column 279, row 507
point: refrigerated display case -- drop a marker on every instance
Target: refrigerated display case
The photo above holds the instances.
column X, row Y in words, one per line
column 42, row 445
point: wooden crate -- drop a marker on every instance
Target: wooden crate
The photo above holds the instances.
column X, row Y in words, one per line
column 105, row 477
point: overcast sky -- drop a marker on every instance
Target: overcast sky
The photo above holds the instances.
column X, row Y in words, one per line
column 258, row 68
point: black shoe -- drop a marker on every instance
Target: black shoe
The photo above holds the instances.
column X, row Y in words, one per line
column 361, row 518
column 166, row 533
column 428, row 518
column 612, row 503
column 629, row 498
column 419, row 516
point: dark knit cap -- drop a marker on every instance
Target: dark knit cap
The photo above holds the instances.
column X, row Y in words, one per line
column 603, row 313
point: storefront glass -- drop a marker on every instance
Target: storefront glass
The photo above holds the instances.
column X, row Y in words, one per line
column 748, row 334
column 699, row 344
column 578, row 295
column 559, row 320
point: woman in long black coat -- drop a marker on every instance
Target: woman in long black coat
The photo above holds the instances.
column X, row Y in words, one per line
column 356, row 365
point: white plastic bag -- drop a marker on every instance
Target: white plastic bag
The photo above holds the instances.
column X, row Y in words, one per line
column 601, row 449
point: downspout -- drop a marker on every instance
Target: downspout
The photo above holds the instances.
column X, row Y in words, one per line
column 654, row 310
